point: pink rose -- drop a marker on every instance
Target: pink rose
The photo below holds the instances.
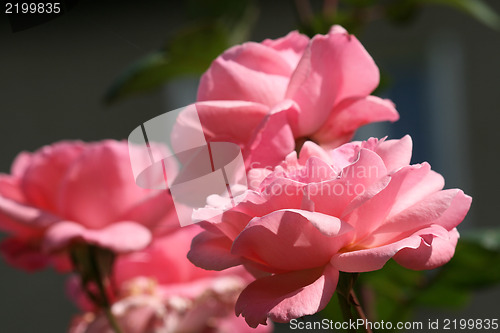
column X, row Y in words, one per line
column 161, row 291
column 267, row 96
column 350, row 209
column 75, row 191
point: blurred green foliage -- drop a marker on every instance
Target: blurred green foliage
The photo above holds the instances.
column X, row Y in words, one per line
column 355, row 15
column 214, row 25
column 190, row 52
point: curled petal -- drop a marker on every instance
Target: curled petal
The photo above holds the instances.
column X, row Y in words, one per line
column 23, row 219
column 435, row 250
column 371, row 259
column 445, row 208
column 120, row 237
column 286, row 296
column 212, row 251
column 351, row 115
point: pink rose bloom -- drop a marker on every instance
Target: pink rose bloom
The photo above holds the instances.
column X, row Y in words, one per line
column 267, row 96
column 161, row 291
column 75, row 191
column 350, row 209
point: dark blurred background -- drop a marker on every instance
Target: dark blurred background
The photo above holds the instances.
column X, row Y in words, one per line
column 444, row 70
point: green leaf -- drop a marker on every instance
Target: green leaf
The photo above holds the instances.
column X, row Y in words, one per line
column 476, row 8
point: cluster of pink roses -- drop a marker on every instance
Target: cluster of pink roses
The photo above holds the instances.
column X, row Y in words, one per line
column 316, row 205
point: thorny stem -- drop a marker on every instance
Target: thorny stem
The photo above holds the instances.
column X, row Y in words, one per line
column 359, row 309
column 348, row 299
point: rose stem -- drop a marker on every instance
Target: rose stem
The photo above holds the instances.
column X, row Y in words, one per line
column 105, row 304
column 359, row 309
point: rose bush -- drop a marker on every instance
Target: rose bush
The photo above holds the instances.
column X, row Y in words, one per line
column 161, row 291
column 77, row 192
column 349, row 209
column 266, row 96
